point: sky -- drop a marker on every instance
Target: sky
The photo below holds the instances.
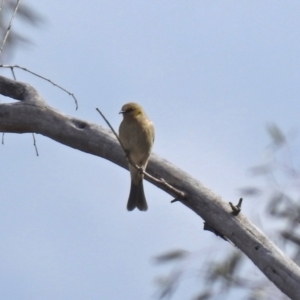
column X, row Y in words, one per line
column 211, row 76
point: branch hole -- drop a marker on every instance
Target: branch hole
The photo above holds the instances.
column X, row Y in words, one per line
column 80, row 124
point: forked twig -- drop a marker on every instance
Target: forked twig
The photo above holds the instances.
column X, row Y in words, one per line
column 236, row 209
column 42, row 77
column 180, row 194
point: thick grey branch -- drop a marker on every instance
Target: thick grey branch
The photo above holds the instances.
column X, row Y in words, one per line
column 34, row 115
column 12, row 89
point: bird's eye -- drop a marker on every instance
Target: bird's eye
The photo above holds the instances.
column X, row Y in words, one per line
column 129, row 110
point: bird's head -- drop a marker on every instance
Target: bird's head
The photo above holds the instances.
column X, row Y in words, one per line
column 131, row 110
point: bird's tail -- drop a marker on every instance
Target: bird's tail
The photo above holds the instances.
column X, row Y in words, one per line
column 137, row 197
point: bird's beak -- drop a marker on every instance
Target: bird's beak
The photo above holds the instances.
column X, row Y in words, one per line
column 121, row 112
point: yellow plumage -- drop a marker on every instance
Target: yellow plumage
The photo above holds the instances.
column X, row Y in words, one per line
column 136, row 133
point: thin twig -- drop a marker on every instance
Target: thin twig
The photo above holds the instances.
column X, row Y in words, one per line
column 161, row 181
column 116, row 135
column 13, row 74
column 9, row 26
column 34, row 144
column 2, row 138
column 44, row 78
column 112, row 129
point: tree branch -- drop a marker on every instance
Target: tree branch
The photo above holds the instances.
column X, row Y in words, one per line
column 32, row 114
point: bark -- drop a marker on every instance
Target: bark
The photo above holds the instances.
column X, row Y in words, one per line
column 32, row 114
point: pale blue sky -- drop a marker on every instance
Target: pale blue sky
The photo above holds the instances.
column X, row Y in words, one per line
column 210, row 74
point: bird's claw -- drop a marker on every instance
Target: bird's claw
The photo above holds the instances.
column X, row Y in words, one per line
column 141, row 171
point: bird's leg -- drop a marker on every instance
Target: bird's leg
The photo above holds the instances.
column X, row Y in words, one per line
column 141, row 170
column 126, row 153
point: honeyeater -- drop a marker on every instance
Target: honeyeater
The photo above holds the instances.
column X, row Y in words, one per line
column 136, row 133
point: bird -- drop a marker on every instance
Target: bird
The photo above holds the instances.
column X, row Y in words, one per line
column 136, row 133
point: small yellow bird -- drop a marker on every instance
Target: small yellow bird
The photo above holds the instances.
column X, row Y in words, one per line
column 136, row 133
